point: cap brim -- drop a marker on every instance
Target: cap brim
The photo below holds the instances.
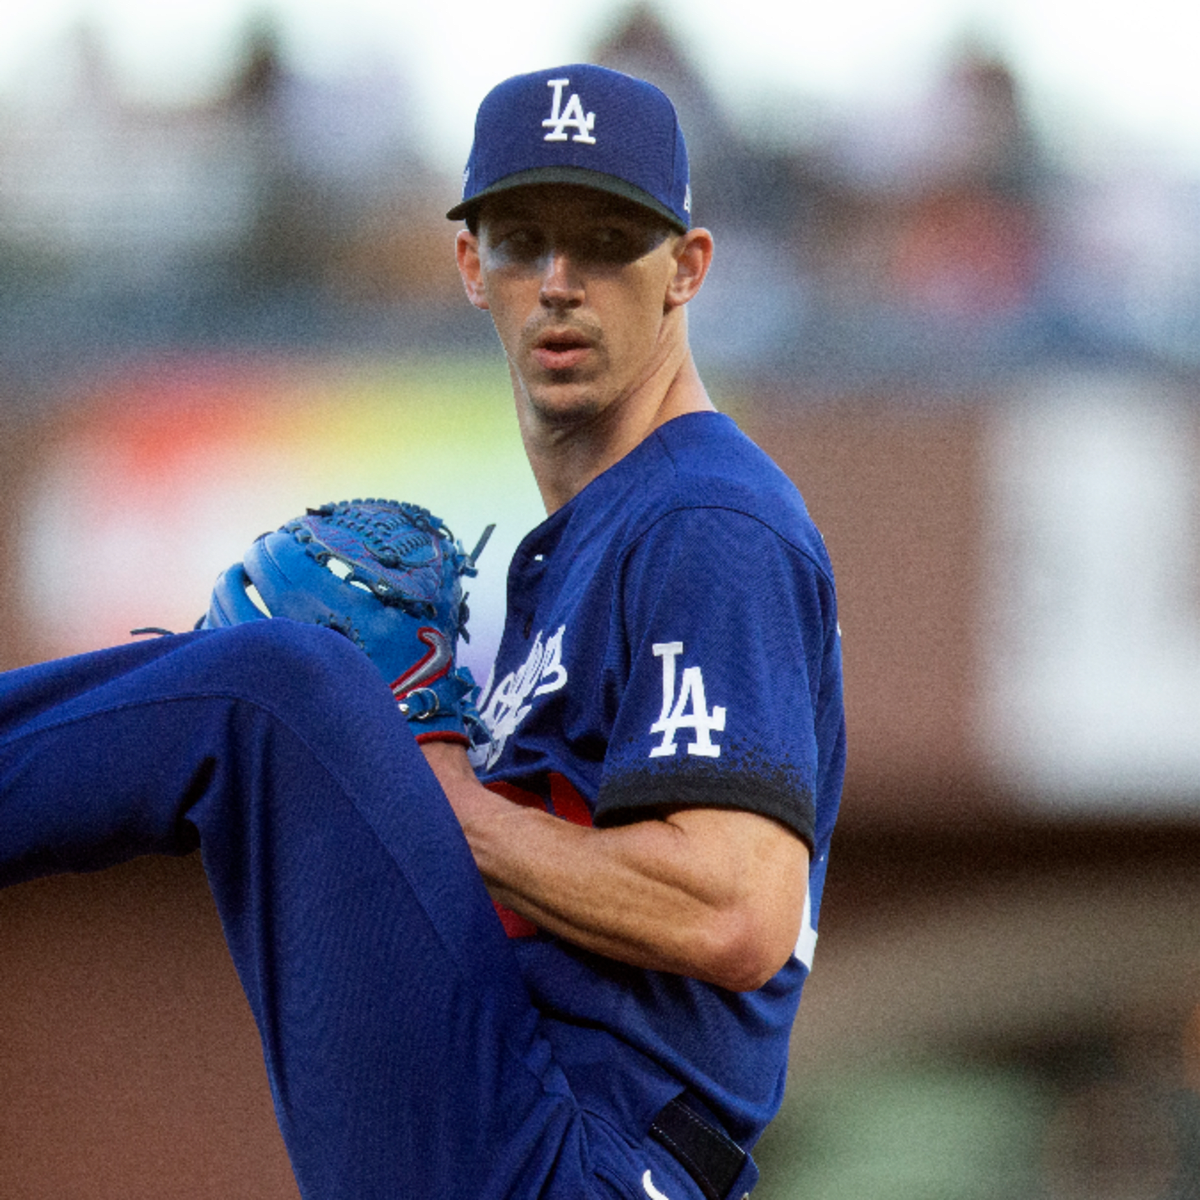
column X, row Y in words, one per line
column 580, row 177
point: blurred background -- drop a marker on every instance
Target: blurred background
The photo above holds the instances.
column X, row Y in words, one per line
column 956, row 295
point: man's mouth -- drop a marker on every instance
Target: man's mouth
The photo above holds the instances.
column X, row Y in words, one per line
column 560, row 351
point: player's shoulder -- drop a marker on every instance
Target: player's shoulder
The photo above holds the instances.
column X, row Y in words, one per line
column 708, row 453
column 710, row 464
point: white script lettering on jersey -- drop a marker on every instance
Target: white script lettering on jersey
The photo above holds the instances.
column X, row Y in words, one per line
column 507, row 704
column 676, row 713
column 573, row 115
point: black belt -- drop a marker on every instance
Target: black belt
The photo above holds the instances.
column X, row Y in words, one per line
column 708, row 1154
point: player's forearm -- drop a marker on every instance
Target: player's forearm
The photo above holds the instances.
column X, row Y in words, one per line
column 609, row 891
column 679, row 895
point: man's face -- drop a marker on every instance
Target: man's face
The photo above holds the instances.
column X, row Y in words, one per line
column 578, row 284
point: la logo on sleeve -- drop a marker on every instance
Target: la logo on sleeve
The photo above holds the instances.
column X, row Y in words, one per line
column 687, row 709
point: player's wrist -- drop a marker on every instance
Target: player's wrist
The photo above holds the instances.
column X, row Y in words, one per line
column 448, row 759
column 471, row 801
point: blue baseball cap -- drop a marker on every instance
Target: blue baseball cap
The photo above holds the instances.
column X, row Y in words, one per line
column 585, row 125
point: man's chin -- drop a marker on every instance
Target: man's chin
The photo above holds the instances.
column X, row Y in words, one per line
column 564, row 401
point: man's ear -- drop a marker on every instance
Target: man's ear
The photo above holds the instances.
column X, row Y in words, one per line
column 466, row 250
column 693, row 254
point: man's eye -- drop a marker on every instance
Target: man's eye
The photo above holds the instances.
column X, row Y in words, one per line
column 521, row 243
column 614, row 245
column 616, row 238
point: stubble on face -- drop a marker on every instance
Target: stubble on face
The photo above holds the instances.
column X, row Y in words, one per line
column 567, row 394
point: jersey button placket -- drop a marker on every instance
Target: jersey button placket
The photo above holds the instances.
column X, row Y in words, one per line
column 534, row 568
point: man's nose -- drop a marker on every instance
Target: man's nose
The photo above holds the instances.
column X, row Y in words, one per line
column 562, row 284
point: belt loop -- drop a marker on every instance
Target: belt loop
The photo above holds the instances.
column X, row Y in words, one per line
column 709, row 1155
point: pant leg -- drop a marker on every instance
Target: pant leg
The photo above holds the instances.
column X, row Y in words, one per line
column 401, row 1047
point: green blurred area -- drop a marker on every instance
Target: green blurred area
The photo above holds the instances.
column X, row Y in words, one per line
column 926, row 1131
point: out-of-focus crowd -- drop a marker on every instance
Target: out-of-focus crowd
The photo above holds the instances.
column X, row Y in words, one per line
column 934, row 243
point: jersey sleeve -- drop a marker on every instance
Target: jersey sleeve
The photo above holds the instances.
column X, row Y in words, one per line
column 719, row 671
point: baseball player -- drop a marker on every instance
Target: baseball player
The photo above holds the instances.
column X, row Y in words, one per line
column 552, row 945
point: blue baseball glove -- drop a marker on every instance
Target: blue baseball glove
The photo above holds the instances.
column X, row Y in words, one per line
column 386, row 575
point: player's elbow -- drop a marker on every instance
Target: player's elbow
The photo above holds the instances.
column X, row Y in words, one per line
column 746, row 949
column 751, row 875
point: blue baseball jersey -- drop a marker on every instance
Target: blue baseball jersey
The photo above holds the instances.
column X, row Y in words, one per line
column 671, row 639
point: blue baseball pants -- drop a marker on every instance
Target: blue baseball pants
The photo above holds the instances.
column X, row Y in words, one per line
column 403, row 1051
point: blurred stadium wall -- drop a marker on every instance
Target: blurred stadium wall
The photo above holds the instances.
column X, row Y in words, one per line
column 1008, row 962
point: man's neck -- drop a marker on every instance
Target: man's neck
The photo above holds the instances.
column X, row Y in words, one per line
column 566, row 458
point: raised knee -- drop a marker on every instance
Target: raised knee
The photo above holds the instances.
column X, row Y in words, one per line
column 272, row 654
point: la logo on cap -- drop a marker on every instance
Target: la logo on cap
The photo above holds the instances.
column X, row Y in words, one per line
column 573, row 115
